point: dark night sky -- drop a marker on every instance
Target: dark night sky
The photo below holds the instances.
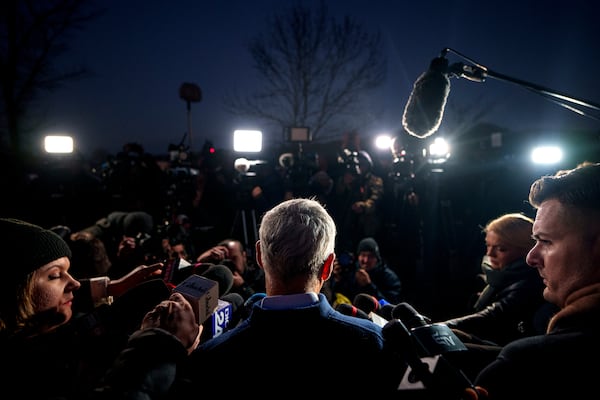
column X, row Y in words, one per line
column 142, row 51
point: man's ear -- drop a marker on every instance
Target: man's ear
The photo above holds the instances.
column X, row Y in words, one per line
column 258, row 254
column 327, row 267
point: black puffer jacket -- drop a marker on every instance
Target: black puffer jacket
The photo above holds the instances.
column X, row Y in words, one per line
column 511, row 306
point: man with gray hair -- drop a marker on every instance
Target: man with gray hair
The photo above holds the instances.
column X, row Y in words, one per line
column 292, row 339
column 294, row 334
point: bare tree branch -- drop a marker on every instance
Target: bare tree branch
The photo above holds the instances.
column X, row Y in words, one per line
column 315, row 70
column 33, row 35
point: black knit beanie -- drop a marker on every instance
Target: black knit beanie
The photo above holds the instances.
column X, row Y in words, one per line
column 369, row 244
column 27, row 247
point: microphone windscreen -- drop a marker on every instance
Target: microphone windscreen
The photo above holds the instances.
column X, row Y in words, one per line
column 408, row 315
column 222, row 275
column 386, row 311
column 425, row 106
column 238, row 311
column 366, row 303
column 201, row 267
column 349, row 309
column 397, row 337
column 235, row 299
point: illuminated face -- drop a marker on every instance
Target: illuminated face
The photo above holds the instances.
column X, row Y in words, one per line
column 566, row 252
column 500, row 253
column 367, row 260
column 53, row 288
column 237, row 255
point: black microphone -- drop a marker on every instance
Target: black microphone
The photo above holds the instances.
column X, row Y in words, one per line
column 437, row 375
column 235, row 299
column 432, row 339
column 425, row 106
column 368, row 304
column 398, row 341
column 386, row 311
column 222, row 275
column 349, row 309
column 225, row 316
column 409, row 315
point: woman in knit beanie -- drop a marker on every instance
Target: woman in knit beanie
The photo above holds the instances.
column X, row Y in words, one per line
column 38, row 289
column 58, row 335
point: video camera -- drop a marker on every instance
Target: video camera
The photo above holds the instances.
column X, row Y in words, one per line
column 350, row 161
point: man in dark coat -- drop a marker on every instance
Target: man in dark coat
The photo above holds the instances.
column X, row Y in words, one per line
column 292, row 339
column 561, row 363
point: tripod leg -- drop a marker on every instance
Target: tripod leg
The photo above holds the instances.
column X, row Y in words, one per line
column 244, row 227
column 254, row 227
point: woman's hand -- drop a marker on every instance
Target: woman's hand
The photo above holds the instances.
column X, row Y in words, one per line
column 139, row 274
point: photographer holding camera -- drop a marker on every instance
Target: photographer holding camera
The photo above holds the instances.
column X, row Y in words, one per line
column 365, row 272
column 357, row 200
column 248, row 279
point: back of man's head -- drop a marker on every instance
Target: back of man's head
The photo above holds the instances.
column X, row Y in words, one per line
column 296, row 237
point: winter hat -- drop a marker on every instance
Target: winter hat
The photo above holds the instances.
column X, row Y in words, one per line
column 369, row 244
column 137, row 222
column 26, row 247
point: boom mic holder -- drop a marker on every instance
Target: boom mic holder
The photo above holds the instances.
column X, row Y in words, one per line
column 479, row 73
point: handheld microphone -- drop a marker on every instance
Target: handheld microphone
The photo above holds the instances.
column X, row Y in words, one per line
column 202, row 293
column 425, row 106
column 224, row 317
column 222, row 275
column 398, row 341
column 409, row 316
column 370, row 304
column 433, row 339
column 425, row 373
column 349, row 309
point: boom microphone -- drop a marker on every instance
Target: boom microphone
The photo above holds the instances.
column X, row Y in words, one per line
column 425, row 106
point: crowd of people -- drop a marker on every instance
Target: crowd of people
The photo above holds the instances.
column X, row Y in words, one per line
column 93, row 311
column 206, row 197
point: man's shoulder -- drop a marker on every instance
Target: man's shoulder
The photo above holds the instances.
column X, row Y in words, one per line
column 566, row 345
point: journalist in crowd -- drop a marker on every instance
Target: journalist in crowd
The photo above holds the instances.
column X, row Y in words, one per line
column 511, row 304
column 560, row 363
column 58, row 334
